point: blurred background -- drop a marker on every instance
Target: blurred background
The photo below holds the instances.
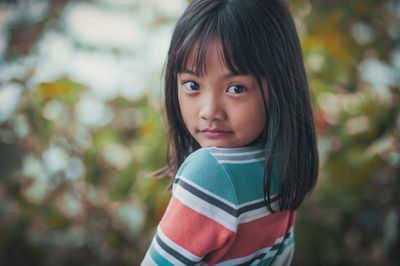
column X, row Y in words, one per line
column 81, row 129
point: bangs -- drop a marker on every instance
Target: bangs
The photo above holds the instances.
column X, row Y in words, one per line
column 236, row 52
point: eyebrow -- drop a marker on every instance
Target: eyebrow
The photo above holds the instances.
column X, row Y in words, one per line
column 188, row 71
column 227, row 75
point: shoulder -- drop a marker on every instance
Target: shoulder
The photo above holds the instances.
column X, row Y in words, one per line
column 200, row 161
column 216, row 157
column 204, row 174
column 216, row 170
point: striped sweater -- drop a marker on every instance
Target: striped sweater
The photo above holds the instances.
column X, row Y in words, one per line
column 217, row 215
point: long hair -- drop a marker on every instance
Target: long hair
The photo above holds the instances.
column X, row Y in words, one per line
column 257, row 37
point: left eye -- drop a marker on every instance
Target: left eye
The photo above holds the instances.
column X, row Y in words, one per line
column 191, row 86
column 236, row 89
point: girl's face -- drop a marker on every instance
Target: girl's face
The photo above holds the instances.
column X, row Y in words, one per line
column 220, row 109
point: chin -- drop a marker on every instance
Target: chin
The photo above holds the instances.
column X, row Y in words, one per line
column 218, row 145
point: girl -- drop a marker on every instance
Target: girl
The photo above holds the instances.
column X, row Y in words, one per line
column 242, row 136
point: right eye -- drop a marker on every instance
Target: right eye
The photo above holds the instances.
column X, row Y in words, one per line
column 191, row 86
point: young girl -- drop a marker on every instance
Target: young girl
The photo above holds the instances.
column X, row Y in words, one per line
column 242, row 136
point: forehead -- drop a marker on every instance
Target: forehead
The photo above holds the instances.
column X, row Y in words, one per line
column 207, row 51
column 209, row 54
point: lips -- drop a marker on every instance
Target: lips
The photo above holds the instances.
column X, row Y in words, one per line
column 215, row 132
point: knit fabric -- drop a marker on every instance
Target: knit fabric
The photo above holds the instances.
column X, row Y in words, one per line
column 217, row 214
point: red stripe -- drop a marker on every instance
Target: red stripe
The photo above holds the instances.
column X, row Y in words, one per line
column 193, row 231
column 249, row 235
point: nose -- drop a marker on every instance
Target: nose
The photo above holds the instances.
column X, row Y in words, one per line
column 212, row 107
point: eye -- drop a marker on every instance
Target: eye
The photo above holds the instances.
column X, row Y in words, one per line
column 191, row 86
column 235, row 89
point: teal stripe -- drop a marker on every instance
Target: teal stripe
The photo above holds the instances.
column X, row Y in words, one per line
column 289, row 242
column 249, row 176
column 264, row 262
column 268, row 260
column 204, row 170
column 158, row 259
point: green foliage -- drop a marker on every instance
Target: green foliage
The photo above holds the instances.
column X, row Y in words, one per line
column 62, row 89
column 55, row 220
column 100, row 205
column 359, row 125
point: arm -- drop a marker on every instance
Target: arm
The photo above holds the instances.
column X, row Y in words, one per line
column 198, row 221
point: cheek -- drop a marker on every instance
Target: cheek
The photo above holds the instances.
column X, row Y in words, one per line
column 182, row 102
column 187, row 110
column 261, row 118
column 251, row 118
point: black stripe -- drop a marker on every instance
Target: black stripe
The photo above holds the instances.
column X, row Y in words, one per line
column 254, row 153
column 225, row 159
column 255, row 206
column 249, row 154
column 232, row 211
column 173, row 252
column 277, row 245
column 253, row 259
column 234, row 150
column 262, row 255
column 228, row 157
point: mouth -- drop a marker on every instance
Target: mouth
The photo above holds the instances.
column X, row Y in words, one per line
column 215, row 132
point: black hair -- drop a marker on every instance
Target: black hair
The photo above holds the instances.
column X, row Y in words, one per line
column 256, row 37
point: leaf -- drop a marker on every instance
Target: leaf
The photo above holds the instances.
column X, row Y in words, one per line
column 114, row 238
column 63, row 89
column 55, row 220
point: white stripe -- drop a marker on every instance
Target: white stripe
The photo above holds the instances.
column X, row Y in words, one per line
column 285, row 258
column 253, row 215
column 257, row 253
column 165, row 254
column 148, row 260
column 256, row 213
column 206, row 191
column 227, row 221
column 254, row 201
column 241, row 161
column 205, row 208
column 176, row 247
column 233, row 150
column 235, row 154
column 247, row 258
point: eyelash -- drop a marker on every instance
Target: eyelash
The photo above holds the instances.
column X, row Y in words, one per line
column 185, row 85
column 238, row 86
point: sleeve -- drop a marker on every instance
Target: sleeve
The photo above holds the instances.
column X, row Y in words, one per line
column 201, row 217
